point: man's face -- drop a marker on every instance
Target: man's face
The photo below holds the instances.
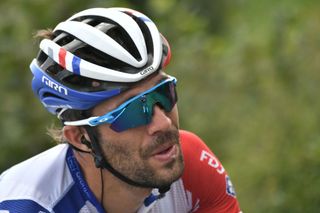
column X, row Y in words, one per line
column 149, row 154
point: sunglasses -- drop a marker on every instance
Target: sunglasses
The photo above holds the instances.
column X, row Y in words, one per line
column 138, row 110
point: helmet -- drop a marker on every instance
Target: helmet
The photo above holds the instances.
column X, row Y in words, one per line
column 94, row 55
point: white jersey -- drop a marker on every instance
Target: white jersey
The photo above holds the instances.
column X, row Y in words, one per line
column 53, row 182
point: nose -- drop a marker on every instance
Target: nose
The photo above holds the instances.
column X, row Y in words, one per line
column 160, row 121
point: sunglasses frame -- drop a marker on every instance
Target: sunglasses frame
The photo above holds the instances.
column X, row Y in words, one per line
column 111, row 116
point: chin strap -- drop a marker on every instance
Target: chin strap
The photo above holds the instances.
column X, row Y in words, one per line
column 101, row 162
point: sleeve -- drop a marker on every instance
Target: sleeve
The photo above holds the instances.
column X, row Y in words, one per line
column 21, row 206
column 204, row 178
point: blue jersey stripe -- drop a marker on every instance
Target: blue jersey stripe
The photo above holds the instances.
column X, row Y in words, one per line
column 71, row 202
column 22, row 206
column 81, row 185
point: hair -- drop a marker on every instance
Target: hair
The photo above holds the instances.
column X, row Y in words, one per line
column 56, row 134
column 44, row 33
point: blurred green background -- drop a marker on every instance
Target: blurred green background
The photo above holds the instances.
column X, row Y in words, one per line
column 248, row 83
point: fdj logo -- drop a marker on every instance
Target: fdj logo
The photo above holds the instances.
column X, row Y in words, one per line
column 212, row 161
column 54, row 85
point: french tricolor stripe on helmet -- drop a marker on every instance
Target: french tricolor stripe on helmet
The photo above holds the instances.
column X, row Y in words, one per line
column 76, row 65
column 62, row 57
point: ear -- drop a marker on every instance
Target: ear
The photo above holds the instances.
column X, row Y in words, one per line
column 74, row 135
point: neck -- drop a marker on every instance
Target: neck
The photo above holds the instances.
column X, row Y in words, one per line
column 116, row 195
column 120, row 196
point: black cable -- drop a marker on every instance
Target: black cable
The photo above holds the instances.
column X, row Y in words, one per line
column 102, row 188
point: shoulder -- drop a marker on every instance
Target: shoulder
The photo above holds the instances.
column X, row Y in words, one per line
column 200, row 162
column 205, row 178
column 30, row 183
column 191, row 143
column 198, row 155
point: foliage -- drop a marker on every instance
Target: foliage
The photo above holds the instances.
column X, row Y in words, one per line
column 248, row 80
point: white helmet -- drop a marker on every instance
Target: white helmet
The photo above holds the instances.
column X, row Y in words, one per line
column 94, row 55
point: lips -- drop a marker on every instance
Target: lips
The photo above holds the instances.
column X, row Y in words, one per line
column 165, row 152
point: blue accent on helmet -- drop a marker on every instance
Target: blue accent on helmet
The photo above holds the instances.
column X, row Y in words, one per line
column 76, row 65
column 55, row 96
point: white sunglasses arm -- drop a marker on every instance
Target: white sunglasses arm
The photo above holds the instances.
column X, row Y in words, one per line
column 80, row 122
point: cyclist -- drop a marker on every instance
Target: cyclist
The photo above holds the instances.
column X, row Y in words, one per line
column 101, row 73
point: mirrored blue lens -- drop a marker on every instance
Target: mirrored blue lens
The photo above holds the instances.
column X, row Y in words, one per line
column 139, row 112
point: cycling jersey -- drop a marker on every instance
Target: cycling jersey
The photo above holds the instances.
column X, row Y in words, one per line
column 52, row 182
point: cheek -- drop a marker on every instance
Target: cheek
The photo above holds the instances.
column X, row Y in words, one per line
column 126, row 140
column 105, row 133
column 119, row 150
column 174, row 116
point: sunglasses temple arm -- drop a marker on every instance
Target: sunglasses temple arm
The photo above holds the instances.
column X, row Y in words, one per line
column 80, row 122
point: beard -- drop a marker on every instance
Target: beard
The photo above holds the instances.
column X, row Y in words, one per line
column 135, row 164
